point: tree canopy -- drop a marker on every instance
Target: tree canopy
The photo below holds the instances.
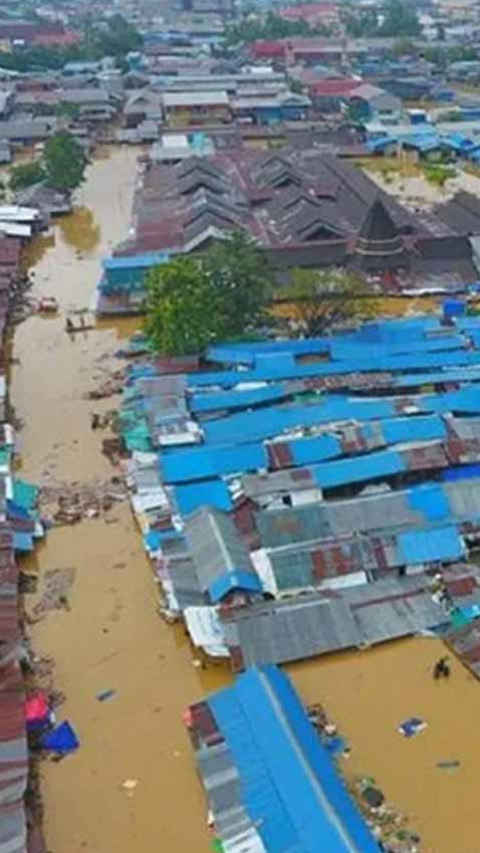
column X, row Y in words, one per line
column 64, row 161
column 118, row 38
column 389, row 20
column 196, row 300
column 25, row 175
column 98, row 38
column 400, row 19
column 271, row 26
column 322, row 299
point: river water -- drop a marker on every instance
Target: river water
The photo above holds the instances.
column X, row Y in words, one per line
column 112, row 637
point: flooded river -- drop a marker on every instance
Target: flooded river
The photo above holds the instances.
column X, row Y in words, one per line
column 112, row 637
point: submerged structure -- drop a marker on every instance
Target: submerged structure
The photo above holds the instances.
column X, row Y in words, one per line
column 270, row 783
column 302, row 497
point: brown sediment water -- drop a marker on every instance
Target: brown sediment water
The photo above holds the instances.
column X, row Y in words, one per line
column 368, row 694
column 111, row 637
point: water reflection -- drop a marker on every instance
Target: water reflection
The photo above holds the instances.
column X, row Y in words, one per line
column 80, row 229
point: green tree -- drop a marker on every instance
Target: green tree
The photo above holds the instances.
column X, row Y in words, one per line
column 252, row 28
column 25, row 175
column 196, row 300
column 64, row 161
column 363, row 24
column 68, row 110
column 242, row 275
column 183, row 316
column 400, row 19
column 323, row 299
column 118, row 38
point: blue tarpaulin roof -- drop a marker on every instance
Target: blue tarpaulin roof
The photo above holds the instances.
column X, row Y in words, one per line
column 202, row 462
column 431, row 500
column 146, row 260
column 241, row 580
column 246, row 353
column 212, row 492
column 463, row 472
column 358, row 468
column 417, row 428
column 23, row 542
column 428, row 546
column 255, row 426
column 236, row 399
column 307, row 450
column 290, row 787
column 280, row 368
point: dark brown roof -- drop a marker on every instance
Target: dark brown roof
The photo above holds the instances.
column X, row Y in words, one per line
column 461, row 213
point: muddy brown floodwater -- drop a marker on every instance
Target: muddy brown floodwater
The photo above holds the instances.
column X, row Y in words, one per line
column 112, row 637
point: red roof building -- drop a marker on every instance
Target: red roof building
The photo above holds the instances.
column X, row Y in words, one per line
column 263, row 49
column 334, row 88
column 314, row 14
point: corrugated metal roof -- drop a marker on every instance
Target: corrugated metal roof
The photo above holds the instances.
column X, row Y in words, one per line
column 320, row 623
column 428, row 546
column 290, row 787
column 371, row 466
column 145, row 261
column 307, row 450
column 190, row 496
column 220, row 557
column 182, row 466
column 286, row 368
column 237, row 399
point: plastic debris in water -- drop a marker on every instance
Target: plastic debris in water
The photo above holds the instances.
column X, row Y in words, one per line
column 61, row 740
column 412, row 726
column 105, row 695
column 129, row 786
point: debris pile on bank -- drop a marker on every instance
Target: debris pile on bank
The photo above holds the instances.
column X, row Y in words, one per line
column 300, row 497
column 69, row 503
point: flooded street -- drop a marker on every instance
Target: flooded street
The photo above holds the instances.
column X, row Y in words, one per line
column 369, row 694
column 112, row 637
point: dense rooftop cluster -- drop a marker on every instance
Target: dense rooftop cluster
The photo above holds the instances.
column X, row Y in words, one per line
column 304, row 498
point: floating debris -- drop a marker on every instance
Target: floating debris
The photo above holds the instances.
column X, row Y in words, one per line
column 57, row 587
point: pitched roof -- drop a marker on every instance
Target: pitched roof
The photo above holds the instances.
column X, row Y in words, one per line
column 221, row 559
column 286, row 778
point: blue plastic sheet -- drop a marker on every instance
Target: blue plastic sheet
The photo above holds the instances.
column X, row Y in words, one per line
column 61, row 739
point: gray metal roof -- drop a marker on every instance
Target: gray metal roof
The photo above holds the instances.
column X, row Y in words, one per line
column 195, row 99
column 215, row 545
column 292, row 630
column 394, row 608
column 289, row 630
column 465, row 428
column 463, row 497
column 381, row 511
column 184, row 579
column 221, row 781
column 271, row 483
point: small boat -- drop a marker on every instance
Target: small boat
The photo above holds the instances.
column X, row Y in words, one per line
column 48, row 305
column 72, row 330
